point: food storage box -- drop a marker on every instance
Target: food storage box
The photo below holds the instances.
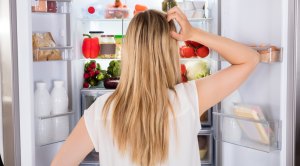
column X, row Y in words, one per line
column 247, row 130
column 205, row 143
column 116, row 13
column 193, row 9
column 269, row 54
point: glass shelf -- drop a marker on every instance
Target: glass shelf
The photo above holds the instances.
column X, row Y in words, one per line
column 57, row 115
column 51, row 7
column 129, row 19
column 262, row 135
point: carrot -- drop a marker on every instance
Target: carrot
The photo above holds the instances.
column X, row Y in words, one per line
column 118, row 4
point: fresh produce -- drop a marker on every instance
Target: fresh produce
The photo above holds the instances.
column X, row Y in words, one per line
column 139, row 8
column 168, row 4
column 197, row 69
column 111, row 83
column 118, row 4
column 93, row 74
column 90, row 47
column 202, row 52
column 195, row 47
column 193, row 44
column 183, row 73
column 187, row 52
column 114, row 68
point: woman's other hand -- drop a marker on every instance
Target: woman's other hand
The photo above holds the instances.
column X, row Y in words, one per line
column 186, row 32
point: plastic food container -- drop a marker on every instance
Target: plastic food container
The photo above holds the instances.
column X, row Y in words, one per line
column 116, row 13
column 119, row 42
column 39, row 6
column 269, row 54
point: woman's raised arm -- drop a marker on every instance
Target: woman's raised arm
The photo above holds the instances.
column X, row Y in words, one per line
column 214, row 88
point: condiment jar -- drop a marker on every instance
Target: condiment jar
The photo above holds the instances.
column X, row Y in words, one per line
column 108, row 46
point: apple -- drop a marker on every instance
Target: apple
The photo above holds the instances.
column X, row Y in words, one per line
column 202, row 52
column 187, row 52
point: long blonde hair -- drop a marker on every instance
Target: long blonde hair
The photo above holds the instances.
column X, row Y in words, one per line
column 140, row 105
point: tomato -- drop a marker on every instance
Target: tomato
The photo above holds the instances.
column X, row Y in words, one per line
column 187, row 52
column 184, row 78
column 202, row 52
column 193, row 44
column 183, row 69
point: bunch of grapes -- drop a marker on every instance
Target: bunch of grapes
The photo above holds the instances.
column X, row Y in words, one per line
column 93, row 74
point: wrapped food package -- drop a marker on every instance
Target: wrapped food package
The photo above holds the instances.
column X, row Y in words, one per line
column 41, row 41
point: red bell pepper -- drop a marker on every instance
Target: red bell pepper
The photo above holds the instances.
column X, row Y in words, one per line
column 90, row 47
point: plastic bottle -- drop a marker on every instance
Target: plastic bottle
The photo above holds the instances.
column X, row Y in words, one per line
column 59, row 100
column 42, row 107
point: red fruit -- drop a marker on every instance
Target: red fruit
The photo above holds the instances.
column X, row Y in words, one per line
column 89, row 69
column 183, row 69
column 187, row 52
column 91, row 10
column 193, row 44
column 97, row 72
column 184, row 79
column 86, row 85
column 86, row 76
column 202, row 52
column 92, row 73
column 93, row 65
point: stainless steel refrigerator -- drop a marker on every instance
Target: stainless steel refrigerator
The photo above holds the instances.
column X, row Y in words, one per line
column 273, row 86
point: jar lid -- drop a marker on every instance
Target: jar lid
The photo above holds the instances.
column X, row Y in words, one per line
column 119, row 36
column 107, row 35
column 93, row 32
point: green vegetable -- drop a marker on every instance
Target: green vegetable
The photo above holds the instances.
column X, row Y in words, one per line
column 114, row 68
column 197, row 69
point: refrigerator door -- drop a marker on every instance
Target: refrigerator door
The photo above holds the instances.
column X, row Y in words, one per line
column 9, row 83
column 257, row 23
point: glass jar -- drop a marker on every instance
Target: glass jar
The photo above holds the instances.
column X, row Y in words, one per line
column 96, row 34
column 168, row 4
column 108, row 47
column 119, row 41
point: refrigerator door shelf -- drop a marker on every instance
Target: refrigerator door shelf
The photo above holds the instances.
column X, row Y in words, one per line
column 57, row 115
column 51, row 7
column 61, row 53
column 262, row 135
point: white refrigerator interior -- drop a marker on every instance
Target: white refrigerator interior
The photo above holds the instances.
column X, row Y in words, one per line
column 250, row 22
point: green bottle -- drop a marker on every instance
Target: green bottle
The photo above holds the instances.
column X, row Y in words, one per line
column 168, row 4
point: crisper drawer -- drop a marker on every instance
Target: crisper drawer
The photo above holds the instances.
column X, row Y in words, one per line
column 88, row 96
column 206, row 148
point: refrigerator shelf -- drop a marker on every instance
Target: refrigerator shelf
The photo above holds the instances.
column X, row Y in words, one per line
column 57, row 53
column 262, row 135
column 129, row 19
column 57, row 115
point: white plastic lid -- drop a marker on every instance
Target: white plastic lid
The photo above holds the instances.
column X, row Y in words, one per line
column 41, row 85
column 58, row 83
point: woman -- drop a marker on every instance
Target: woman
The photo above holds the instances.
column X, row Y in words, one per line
column 152, row 119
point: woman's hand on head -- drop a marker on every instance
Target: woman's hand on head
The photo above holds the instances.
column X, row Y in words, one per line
column 186, row 31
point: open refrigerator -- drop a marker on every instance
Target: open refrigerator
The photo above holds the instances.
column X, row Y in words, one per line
column 253, row 22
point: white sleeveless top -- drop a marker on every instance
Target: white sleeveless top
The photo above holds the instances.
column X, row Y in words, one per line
column 182, row 152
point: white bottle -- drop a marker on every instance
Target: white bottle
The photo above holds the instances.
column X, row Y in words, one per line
column 42, row 107
column 59, row 100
